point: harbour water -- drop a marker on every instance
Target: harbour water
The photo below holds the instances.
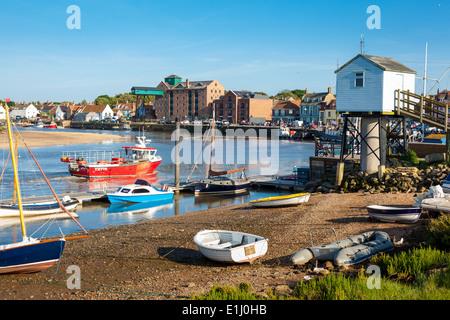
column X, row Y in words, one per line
column 283, row 155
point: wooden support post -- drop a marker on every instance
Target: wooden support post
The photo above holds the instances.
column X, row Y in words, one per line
column 447, row 144
column 421, row 108
column 405, row 141
column 340, row 165
column 398, row 102
column 446, row 118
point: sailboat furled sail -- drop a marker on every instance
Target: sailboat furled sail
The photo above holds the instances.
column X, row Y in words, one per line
column 217, row 182
column 30, row 254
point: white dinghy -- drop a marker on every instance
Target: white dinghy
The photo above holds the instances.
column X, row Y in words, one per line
column 282, row 201
column 230, row 246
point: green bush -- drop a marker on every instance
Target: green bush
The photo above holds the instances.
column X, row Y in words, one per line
column 412, row 262
column 438, row 232
column 410, row 156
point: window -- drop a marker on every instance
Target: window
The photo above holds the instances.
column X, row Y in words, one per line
column 141, row 191
column 359, row 79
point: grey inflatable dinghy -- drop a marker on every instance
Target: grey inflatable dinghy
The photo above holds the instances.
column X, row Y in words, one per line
column 347, row 251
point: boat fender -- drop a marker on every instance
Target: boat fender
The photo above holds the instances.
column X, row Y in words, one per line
column 302, row 257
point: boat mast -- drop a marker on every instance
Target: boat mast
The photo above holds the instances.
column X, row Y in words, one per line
column 212, row 138
column 16, row 175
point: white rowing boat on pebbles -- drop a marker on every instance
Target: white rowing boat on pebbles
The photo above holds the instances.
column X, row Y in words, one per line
column 230, row 246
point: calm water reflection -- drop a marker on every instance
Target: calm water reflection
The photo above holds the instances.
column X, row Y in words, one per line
column 95, row 215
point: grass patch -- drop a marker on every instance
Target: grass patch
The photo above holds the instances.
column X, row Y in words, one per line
column 417, row 274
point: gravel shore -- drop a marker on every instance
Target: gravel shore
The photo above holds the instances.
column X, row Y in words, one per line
column 158, row 260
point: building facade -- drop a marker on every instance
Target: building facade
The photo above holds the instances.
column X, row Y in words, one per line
column 311, row 104
column 25, row 111
column 243, row 106
column 189, row 100
column 286, row 111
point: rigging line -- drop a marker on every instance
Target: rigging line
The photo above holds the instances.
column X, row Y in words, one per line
column 51, row 188
column 198, row 157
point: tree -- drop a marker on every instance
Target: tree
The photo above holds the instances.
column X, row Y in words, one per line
column 103, row 99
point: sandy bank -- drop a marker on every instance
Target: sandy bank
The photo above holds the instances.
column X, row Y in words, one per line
column 157, row 259
column 53, row 138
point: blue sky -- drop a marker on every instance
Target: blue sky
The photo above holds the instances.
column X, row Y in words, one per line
column 246, row 45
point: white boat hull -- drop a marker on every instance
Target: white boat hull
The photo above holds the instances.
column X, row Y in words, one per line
column 281, row 201
column 394, row 214
column 230, row 246
column 436, row 205
column 36, row 208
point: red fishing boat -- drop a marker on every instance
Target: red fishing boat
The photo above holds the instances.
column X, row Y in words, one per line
column 130, row 161
column 52, row 125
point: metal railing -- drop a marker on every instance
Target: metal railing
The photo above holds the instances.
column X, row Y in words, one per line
column 93, row 155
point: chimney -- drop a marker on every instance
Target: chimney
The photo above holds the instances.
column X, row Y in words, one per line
column 329, row 90
column 187, row 83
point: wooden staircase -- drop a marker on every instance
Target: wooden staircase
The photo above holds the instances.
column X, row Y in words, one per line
column 419, row 108
column 425, row 110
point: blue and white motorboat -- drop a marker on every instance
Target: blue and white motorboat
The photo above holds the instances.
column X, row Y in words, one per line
column 139, row 191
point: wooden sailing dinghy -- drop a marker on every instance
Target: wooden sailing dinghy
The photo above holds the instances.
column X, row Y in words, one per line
column 282, row 201
column 230, row 246
column 30, row 254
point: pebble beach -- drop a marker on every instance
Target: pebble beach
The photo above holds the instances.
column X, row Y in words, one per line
column 158, row 260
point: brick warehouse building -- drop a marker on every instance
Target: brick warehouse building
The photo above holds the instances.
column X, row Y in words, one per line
column 237, row 106
column 186, row 100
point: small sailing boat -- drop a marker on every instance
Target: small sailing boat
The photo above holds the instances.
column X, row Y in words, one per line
column 30, row 254
column 217, row 182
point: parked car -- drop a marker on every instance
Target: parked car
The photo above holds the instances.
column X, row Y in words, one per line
column 197, row 122
column 225, row 122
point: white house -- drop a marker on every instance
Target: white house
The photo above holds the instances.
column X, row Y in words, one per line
column 103, row 110
column 368, row 83
column 24, row 111
column 86, row 116
column 2, row 112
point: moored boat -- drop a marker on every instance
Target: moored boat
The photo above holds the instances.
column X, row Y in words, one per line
column 404, row 214
column 217, row 182
column 138, row 160
column 435, row 205
column 38, row 208
column 347, row 251
column 282, row 201
column 52, row 125
column 230, row 246
column 139, row 191
column 221, row 186
column 30, row 254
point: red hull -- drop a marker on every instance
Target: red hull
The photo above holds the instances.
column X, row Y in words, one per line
column 110, row 170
